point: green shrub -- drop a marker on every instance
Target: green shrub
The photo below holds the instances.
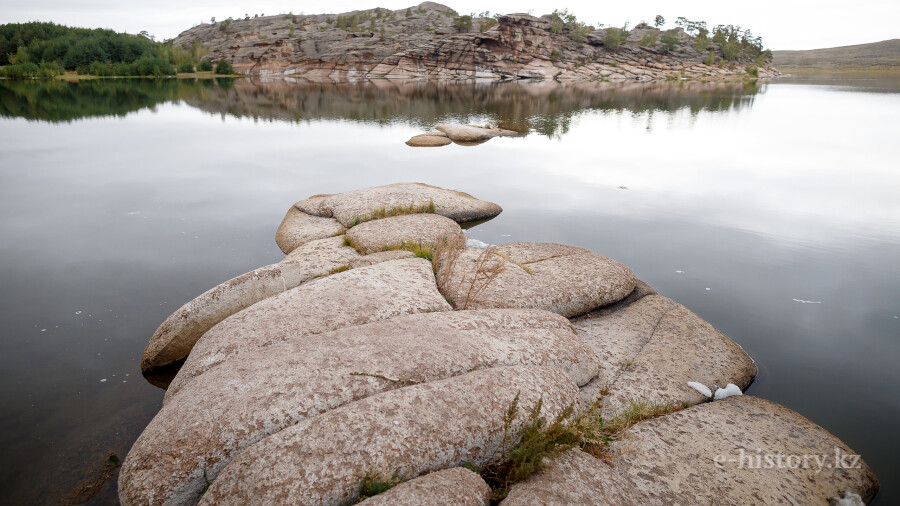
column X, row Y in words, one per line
column 462, row 23
column 555, row 55
column 487, row 24
column 186, row 68
column 669, row 40
column 206, row 65
column 648, row 40
column 223, row 67
column 752, row 71
column 711, row 58
column 614, row 38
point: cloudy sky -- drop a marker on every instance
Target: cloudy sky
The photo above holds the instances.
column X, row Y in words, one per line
column 783, row 24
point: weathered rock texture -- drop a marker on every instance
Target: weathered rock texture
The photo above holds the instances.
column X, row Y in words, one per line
column 353, row 207
column 673, row 460
column 294, row 395
column 473, row 134
column 175, row 338
column 242, row 401
column 651, row 349
column 450, row 487
column 298, row 228
column 410, row 431
column 348, row 298
column 421, row 42
column 425, row 230
column 564, row 279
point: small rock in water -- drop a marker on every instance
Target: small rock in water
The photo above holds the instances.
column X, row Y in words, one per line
column 847, row 499
column 103, row 380
column 729, row 390
column 700, row 387
column 475, row 243
column 809, row 302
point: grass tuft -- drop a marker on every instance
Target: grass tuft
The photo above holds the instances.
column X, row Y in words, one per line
column 340, row 268
column 538, row 439
column 376, row 483
column 385, row 212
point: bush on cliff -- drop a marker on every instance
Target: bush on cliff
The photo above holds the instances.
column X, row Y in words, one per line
column 669, row 40
column 205, row 66
column 614, row 38
column 224, row 68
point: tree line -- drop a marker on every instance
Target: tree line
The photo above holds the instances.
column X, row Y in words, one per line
column 44, row 49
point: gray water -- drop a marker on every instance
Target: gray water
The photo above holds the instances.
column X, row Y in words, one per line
column 121, row 200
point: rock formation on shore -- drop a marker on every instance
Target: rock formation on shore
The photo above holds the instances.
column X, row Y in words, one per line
column 424, row 41
column 396, row 354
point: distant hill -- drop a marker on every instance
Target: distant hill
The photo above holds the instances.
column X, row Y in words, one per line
column 884, row 53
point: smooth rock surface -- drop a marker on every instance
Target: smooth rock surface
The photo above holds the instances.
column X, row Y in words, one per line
column 563, row 279
column 653, row 348
column 672, row 460
column 353, row 297
column 381, row 256
column 472, row 133
column 450, row 487
column 409, row 431
column 298, row 228
column 175, row 338
column 390, row 233
column 323, row 254
column 360, row 204
column 241, row 401
column 428, row 140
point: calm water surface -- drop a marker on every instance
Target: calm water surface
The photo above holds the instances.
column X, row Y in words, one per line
column 771, row 210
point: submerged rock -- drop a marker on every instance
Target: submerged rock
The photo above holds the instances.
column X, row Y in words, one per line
column 226, row 409
column 734, row 451
column 348, row 298
column 400, row 198
column 424, row 230
column 176, row 336
column 563, row 279
column 451, row 487
column 410, row 431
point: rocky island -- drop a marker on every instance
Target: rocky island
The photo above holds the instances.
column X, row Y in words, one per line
column 431, row 40
column 388, row 359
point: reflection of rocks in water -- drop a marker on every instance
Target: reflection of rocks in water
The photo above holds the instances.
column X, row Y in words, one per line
column 464, row 135
column 546, row 107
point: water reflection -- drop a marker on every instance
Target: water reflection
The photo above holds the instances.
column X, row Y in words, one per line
column 544, row 107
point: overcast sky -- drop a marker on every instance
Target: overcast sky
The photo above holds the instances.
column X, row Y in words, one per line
column 783, row 24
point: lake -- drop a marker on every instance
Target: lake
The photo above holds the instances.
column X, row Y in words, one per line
column 772, row 210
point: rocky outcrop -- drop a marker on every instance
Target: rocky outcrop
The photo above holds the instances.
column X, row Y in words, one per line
column 422, row 230
column 298, row 228
column 450, row 487
column 353, row 297
column 735, row 451
column 227, row 409
column 564, row 279
column 367, row 373
column 408, row 432
column 421, row 42
column 651, row 349
column 175, row 338
column 473, row 134
column 354, row 207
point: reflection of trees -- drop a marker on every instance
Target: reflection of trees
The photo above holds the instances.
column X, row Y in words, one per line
column 54, row 100
column 546, row 107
